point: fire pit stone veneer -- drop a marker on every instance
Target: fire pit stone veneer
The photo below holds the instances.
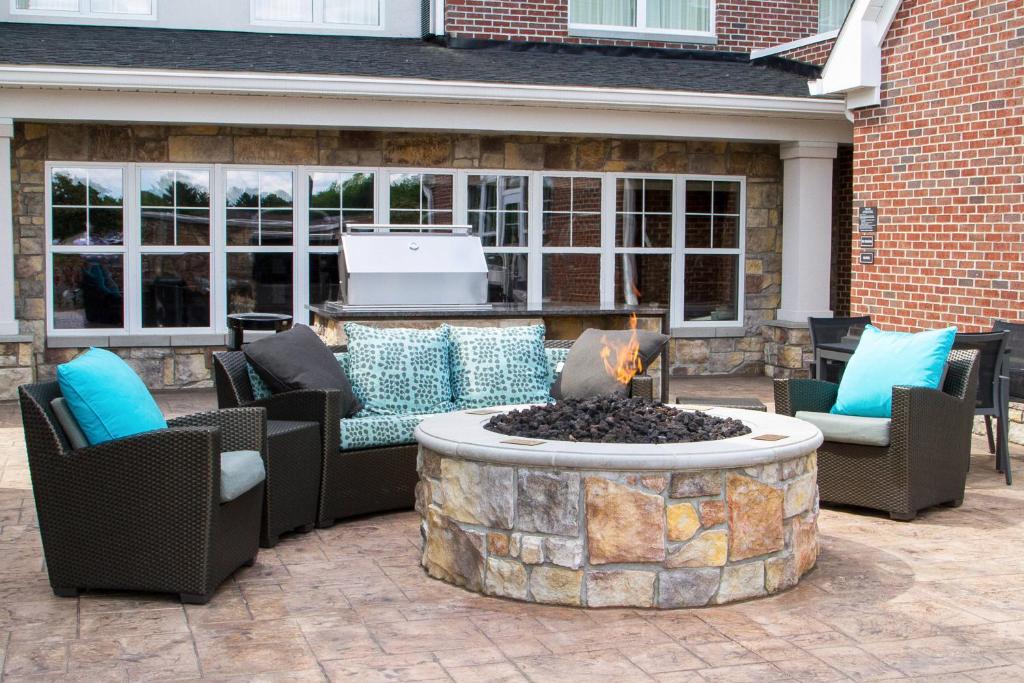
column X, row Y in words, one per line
column 619, row 525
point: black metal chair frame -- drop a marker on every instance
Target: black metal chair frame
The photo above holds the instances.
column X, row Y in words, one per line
column 993, row 391
column 142, row 513
column 822, row 331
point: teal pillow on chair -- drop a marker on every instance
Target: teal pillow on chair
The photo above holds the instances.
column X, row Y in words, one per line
column 887, row 359
column 107, row 398
column 494, row 366
column 397, row 370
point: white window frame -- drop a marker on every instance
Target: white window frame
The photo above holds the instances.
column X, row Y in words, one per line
column 641, row 26
column 85, row 10
column 679, row 261
column 300, row 249
column 319, row 22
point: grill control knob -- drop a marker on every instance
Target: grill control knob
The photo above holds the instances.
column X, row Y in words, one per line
column 414, row 246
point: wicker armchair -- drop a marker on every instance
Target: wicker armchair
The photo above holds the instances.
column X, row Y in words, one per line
column 352, row 482
column 928, row 455
column 143, row 512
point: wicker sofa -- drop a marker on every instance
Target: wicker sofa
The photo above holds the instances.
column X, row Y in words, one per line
column 926, row 460
column 142, row 512
column 355, row 479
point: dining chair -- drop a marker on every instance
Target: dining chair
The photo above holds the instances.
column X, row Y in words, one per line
column 993, row 386
column 832, row 331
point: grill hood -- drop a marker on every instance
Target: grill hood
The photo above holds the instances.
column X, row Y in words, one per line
column 412, row 269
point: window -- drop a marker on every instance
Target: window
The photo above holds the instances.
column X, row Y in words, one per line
column 643, row 240
column 336, row 199
column 134, row 8
column 421, row 198
column 832, row 14
column 87, row 248
column 712, row 250
column 663, row 16
column 318, row 12
column 172, row 249
column 571, row 239
column 498, row 209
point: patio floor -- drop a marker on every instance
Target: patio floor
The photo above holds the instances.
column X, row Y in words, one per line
column 941, row 599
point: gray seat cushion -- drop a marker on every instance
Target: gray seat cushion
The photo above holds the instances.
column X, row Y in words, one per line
column 862, row 431
column 74, row 433
column 239, row 472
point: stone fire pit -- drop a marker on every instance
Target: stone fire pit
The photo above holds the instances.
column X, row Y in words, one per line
column 619, row 525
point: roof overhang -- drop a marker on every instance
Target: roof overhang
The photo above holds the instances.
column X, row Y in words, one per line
column 306, row 100
column 854, row 67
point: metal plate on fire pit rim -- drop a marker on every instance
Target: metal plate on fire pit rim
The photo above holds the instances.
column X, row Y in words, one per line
column 520, row 441
column 769, row 437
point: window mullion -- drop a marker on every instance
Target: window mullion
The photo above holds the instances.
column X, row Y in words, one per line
column 641, row 13
column 132, row 238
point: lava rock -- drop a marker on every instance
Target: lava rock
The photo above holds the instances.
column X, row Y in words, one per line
column 615, row 419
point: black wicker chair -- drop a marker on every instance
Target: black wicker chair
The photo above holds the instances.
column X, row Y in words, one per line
column 352, row 482
column 1014, row 367
column 993, row 399
column 926, row 461
column 142, row 513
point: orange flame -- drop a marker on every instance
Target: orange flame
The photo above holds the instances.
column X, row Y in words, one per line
column 622, row 361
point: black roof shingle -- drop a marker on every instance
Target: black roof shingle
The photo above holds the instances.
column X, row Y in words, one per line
column 516, row 63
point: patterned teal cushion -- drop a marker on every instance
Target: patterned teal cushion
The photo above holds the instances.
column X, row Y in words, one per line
column 499, row 365
column 374, row 431
column 399, row 371
column 555, row 358
column 260, row 390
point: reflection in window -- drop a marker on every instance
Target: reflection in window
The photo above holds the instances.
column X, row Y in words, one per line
column 259, row 282
column 832, row 14
column 283, row 10
column 497, row 209
column 712, row 214
column 88, row 291
column 572, row 212
column 572, row 278
column 136, row 7
column 352, row 12
column 643, row 212
column 421, row 198
column 87, row 206
column 341, row 12
column 176, row 290
column 323, row 278
column 506, row 277
column 711, row 282
column 337, row 199
column 259, row 208
column 175, row 207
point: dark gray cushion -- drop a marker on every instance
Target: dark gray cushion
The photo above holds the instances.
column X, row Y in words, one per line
column 584, row 374
column 298, row 359
column 239, row 472
column 74, row 433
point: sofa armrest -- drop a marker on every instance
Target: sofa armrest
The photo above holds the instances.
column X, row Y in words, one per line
column 932, row 431
column 814, row 395
column 241, row 429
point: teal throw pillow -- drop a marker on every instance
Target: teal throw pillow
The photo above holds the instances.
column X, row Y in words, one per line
column 887, row 359
column 107, row 398
column 499, row 366
column 399, row 371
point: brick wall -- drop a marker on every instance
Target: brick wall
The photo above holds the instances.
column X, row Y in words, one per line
column 815, row 53
column 741, row 25
column 842, row 230
column 190, row 366
column 942, row 159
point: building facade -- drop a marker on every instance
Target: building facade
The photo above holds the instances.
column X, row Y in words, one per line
column 166, row 168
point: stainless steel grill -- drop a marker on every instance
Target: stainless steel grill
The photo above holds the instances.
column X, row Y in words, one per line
column 401, row 266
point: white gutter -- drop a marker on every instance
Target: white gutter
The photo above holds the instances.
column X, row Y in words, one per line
column 409, row 89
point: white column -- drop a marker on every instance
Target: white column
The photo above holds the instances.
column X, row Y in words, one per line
column 806, row 230
column 8, row 323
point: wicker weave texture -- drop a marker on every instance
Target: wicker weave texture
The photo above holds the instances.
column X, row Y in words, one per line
column 926, row 461
column 143, row 512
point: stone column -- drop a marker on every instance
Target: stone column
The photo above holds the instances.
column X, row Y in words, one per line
column 806, row 230
column 8, row 323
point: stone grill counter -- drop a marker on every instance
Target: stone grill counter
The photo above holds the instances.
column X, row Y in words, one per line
column 614, row 525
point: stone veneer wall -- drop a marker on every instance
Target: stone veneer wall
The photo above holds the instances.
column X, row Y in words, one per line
column 16, row 367
column 618, row 539
column 35, row 143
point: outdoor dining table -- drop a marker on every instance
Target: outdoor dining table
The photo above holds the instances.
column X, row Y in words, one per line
column 837, row 351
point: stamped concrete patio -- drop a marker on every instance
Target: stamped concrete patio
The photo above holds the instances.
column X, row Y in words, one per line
column 940, row 599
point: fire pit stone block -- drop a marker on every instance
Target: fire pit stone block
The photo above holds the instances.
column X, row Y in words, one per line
column 537, row 530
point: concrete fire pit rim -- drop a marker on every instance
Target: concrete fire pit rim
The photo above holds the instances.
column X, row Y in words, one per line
column 462, row 435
